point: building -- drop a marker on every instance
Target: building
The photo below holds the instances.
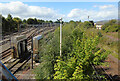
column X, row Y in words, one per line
column 99, row 24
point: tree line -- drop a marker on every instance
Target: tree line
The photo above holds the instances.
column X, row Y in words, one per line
column 11, row 24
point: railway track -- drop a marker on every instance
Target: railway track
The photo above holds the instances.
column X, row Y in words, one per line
column 5, row 55
column 14, row 65
column 18, row 65
column 99, row 71
column 4, row 42
column 6, row 39
column 106, row 74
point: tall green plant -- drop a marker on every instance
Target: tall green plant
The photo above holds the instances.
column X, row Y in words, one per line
column 84, row 54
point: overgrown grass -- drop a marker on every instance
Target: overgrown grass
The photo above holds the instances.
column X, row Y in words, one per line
column 113, row 34
column 108, row 41
column 72, row 33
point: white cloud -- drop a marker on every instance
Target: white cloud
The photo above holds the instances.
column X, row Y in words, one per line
column 25, row 11
column 22, row 10
column 103, row 13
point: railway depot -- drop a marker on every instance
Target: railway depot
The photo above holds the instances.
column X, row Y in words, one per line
column 18, row 51
column 59, row 41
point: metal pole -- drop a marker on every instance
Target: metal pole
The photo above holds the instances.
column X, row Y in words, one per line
column 18, row 27
column 60, row 37
column 32, row 55
column 88, row 18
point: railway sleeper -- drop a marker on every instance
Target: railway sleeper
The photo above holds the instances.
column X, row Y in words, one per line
column 19, row 66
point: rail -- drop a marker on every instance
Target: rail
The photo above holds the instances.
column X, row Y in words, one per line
column 98, row 74
column 16, row 63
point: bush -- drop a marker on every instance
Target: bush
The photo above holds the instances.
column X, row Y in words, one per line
column 50, row 50
column 111, row 26
column 87, row 25
column 81, row 58
column 78, row 51
column 100, row 34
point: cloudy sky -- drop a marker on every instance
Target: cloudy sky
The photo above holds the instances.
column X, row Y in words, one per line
column 67, row 10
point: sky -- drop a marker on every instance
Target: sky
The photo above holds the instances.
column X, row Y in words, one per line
column 96, row 11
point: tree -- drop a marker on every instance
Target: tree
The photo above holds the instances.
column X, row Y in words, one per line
column 17, row 22
column 40, row 21
column 4, row 25
column 35, row 21
column 24, row 21
column 87, row 25
column 9, row 17
column 30, row 21
column 79, row 20
column 50, row 21
column 10, row 22
column 58, row 21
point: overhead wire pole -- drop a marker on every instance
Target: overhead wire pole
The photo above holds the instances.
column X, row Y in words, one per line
column 60, row 37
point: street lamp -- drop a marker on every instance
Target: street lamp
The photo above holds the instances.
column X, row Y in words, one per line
column 60, row 36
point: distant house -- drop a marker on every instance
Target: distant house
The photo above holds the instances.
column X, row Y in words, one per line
column 99, row 25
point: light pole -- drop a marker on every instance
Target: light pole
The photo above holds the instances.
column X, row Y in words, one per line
column 60, row 37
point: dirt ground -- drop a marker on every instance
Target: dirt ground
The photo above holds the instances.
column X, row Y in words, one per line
column 27, row 74
column 113, row 67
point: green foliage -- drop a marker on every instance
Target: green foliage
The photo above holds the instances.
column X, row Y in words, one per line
column 82, row 55
column 24, row 21
column 4, row 25
column 10, row 24
column 9, row 17
column 18, row 20
column 40, row 21
column 50, row 50
column 50, row 21
column 100, row 34
column 78, row 53
column 47, row 55
column 111, row 26
column 87, row 25
column 32, row 21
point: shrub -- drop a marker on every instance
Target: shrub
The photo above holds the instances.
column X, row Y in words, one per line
column 81, row 58
column 111, row 26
